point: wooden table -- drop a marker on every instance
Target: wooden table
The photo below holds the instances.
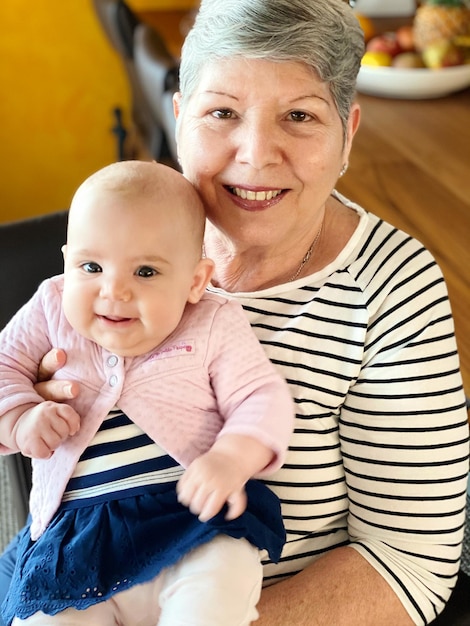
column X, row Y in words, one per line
column 410, row 164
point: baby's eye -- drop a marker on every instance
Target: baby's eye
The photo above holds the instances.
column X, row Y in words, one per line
column 91, row 268
column 146, row 272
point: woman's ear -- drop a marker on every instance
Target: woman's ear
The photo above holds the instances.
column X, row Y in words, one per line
column 177, row 104
column 202, row 275
column 353, row 124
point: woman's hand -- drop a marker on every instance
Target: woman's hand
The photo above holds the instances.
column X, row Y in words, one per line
column 57, row 390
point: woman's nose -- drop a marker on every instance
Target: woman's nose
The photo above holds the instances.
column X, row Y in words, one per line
column 259, row 144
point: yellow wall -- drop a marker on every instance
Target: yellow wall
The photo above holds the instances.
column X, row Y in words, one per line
column 59, row 81
column 162, row 5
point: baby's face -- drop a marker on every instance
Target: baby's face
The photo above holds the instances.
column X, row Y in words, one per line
column 129, row 272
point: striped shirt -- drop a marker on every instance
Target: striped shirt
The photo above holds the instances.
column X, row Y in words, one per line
column 121, row 461
column 379, row 456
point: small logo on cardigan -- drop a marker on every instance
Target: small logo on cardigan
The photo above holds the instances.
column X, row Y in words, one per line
column 175, row 349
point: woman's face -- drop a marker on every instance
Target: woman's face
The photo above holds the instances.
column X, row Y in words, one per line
column 263, row 143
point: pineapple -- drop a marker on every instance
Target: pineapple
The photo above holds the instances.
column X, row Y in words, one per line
column 440, row 19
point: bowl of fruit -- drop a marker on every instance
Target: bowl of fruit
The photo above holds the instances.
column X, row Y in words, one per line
column 429, row 58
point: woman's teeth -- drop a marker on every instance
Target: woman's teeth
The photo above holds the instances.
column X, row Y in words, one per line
column 246, row 194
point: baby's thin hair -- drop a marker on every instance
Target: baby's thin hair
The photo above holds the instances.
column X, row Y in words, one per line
column 149, row 179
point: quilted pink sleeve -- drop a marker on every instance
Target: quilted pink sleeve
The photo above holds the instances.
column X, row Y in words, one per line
column 23, row 343
column 253, row 398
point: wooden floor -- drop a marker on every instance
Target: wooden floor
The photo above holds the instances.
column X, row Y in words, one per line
column 410, row 164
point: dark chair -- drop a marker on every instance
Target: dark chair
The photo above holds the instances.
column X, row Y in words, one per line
column 30, row 251
column 457, row 610
column 120, row 24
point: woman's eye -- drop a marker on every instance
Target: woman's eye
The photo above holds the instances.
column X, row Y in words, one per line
column 91, row 268
column 146, row 272
column 223, row 114
column 299, row 116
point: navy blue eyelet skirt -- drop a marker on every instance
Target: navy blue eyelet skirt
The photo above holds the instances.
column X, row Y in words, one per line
column 88, row 554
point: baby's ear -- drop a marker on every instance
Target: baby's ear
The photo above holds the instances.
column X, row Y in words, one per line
column 64, row 251
column 202, row 275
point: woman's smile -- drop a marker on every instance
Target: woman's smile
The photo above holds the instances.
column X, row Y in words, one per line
column 253, row 199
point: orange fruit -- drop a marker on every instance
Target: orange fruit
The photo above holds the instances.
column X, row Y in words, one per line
column 367, row 26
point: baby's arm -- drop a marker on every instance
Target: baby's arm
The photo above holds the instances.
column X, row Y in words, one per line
column 36, row 430
column 219, row 476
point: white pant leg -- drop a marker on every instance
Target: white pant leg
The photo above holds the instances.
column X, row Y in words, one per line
column 217, row 584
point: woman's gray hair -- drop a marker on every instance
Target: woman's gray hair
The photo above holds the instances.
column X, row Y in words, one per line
column 323, row 34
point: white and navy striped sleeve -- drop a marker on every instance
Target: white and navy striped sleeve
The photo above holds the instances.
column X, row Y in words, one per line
column 403, row 427
column 379, row 456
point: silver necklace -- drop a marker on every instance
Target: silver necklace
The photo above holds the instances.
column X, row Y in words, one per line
column 308, row 254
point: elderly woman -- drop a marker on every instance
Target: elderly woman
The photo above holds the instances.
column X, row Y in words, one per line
column 352, row 311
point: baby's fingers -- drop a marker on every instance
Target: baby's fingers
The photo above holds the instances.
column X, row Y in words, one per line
column 201, row 502
column 236, row 503
column 209, row 506
column 36, row 449
column 68, row 420
column 59, row 423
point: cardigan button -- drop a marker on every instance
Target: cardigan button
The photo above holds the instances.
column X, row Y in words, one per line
column 112, row 360
column 113, row 381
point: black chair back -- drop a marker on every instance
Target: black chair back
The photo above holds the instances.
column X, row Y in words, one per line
column 30, row 251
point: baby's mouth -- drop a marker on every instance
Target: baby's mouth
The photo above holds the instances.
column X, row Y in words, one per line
column 114, row 318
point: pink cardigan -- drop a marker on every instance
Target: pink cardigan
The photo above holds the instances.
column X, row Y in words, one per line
column 210, row 377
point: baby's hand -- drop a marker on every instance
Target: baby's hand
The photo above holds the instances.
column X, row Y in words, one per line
column 42, row 428
column 210, row 481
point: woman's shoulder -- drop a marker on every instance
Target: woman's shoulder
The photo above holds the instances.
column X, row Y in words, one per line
column 373, row 228
column 388, row 264
column 382, row 247
column 377, row 243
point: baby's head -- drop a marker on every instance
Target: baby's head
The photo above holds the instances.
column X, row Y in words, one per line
column 133, row 257
column 141, row 190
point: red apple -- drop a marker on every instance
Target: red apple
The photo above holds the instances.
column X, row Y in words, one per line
column 405, row 38
column 384, row 43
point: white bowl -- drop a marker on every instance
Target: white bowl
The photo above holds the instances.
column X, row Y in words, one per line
column 412, row 83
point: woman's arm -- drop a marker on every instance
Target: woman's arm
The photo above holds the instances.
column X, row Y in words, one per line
column 340, row 588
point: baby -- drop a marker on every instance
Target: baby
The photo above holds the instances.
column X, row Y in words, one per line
column 143, row 506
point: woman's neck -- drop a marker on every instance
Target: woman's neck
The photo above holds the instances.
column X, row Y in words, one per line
column 249, row 269
column 238, row 269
